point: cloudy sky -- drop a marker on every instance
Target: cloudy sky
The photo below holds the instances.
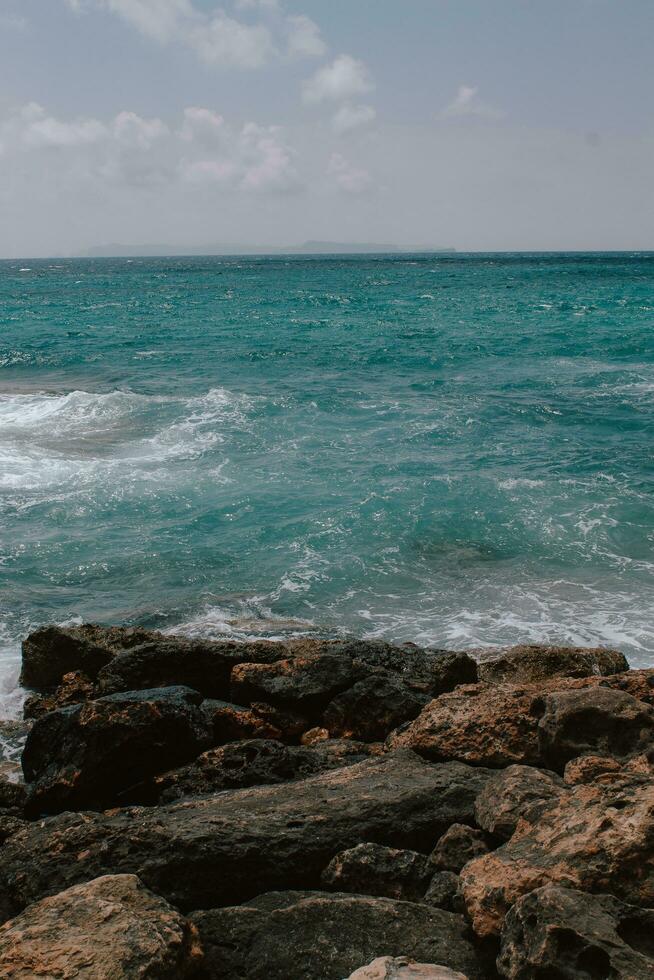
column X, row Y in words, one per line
column 477, row 124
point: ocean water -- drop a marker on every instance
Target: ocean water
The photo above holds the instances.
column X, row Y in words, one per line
column 452, row 450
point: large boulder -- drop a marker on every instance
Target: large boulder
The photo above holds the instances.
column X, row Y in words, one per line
column 596, row 837
column 515, row 792
column 300, row 934
column 85, row 755
column 224, row 848
column 404, row 968
column 373, row 707
column 458, row 845
column 571, row 935
column 372, row 869
column 305, row 683
column 75, row 687
column 594, row 721
column 111, row 928
column 534, row 663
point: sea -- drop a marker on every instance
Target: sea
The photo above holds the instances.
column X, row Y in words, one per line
column 453, row 450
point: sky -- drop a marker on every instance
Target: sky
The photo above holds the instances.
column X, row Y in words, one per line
column 472, row 124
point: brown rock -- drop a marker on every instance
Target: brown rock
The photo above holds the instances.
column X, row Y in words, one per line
column 311, row 934
column 596, row 837
column 534, row 663
column 588, row 768
column 403, row 968
column 224, row 848
column 458, row 845
column 74, row 688
column 111, row 928
column 314, row 735
column 305, row 683
column 232, row 722
column 567, row 934
column 371, row 869
column 515, row 792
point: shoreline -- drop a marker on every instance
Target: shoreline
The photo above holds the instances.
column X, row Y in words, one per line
column 302, row 808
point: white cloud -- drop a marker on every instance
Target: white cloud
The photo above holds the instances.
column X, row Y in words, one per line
column 467, row 103
column 343, row 78
column 350, row 117
column 215, row 37
column 352, row 180
column 133, row 150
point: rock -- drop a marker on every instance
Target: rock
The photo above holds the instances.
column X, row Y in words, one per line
column 588, row 768
column 429, row 672
column 372, row 869
column 253, row 762
column 596, row 837
column 515, row 792
column 481, row 724
column 111, row 928
column 300, row 934
column 444, row 892
column 74, row 688
column 372, row 708
column 314, row 735
column 205, row 666
column 13, row 796
column 596, row 721
column 458, row 845
column 83, row 756
column 53, row 651
column 531, row 664
column 225, row 848
column 232, row 722
column 403, row 968
column 568, row 934
column 305, row 683
column 10, row 824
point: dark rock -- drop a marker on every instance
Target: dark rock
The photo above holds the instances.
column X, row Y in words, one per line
column 13, row 796
column 458, row 845
column 53, row 651
column 74, row 689
column 596, row 837
column 444, row 892
column 231, row 722
column 595, row 721
column 515, row 792
column 225, row 848
column 305, row 683
column 534, row 663
column 10, row 824
column 289, row 935
column 372, row 869
column 205, row 666
column 106, row 929
column 372, row 708
column 83, row 756
column 253, row 762
column 569, row 935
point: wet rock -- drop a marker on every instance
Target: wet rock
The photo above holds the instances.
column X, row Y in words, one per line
column 83, row 756
column 13, row 795
column 205, row 666
column 253, row 762
column 300, row 934
column 458, row 845
column 515, row 792
column 444, row 892
column 534, row 663
column 111, row 928
column 372, row 708
column 305, row 683
column 53, row 651
column 597, row 721
column 75, row 688
column 428, row 672
column 596, row 837
column 372, row 869
column 224, row 848
column 568, row 934
column 481, row 724
column 403, row 968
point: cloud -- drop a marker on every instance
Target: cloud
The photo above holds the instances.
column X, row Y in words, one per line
column 217, row 38
column 352, row 180
column 132, row 150
column 350, row 117
column 343, row 78
column 467, row 103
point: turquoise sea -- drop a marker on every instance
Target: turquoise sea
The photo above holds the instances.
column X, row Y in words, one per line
column 454, row 450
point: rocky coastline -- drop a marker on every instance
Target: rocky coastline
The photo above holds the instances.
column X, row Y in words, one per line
column 327, row 809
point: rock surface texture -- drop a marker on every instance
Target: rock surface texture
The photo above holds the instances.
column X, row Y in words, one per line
column 321, row 809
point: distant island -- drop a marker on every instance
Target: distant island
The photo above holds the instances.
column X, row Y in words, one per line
column 115, row 250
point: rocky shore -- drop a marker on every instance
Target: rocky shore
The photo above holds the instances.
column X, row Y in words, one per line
column 318, row 810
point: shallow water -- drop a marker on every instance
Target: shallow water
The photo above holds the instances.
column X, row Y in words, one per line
column 454, row 450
